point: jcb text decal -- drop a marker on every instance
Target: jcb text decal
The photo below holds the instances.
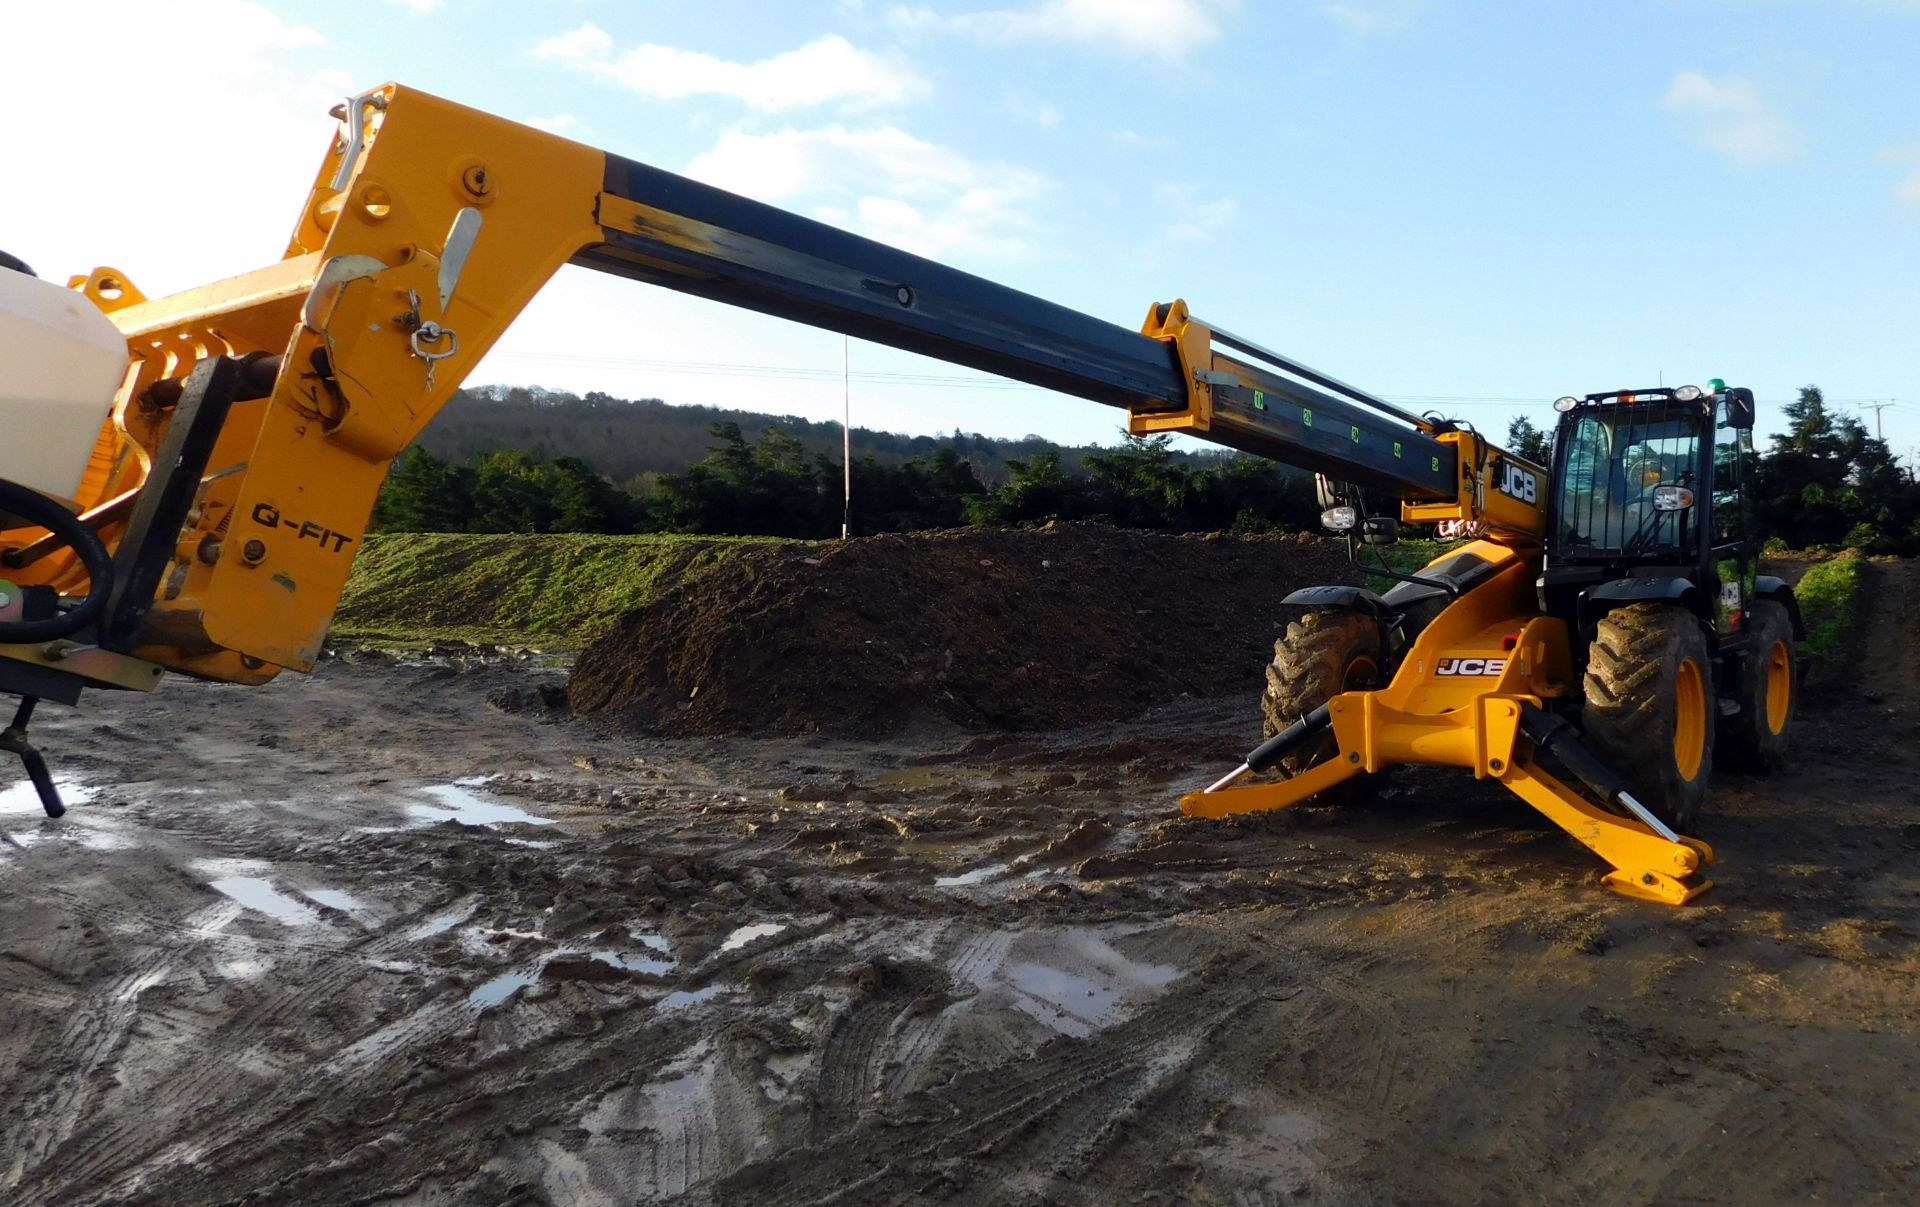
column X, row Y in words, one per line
column 1518, row 483
column 1471, row 666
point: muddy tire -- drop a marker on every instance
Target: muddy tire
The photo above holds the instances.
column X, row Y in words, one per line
column 1755, row 738
column 1323, row 654
column 1650, row 707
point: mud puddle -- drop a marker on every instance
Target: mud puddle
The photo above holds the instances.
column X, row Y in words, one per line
column 19, row 801
column 24, row 821
column 462, row 802
column 744, row 935
column 259, row 894
column 975, row 876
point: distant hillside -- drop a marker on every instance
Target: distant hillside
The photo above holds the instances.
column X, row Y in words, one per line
column 628, row 438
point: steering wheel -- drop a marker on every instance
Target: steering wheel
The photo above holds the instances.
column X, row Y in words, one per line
column 33, row 506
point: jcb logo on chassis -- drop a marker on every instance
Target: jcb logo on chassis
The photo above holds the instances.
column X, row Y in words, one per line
column 1516, row 482
column 1471, row 666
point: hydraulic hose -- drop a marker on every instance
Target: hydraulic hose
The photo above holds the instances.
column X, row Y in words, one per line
column 36, row 507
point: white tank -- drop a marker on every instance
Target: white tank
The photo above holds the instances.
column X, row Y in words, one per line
column 61, row 361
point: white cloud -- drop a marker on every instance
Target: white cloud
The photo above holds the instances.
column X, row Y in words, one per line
column 1907, row 192
column 559, row 123
column 886, row 184
column 422, row 7
column 87, row 146
column 1040, row 113
column 1730, row 117
column 1166, row 29
column 1191, row 220
column 826, row 70
column 1371, row 18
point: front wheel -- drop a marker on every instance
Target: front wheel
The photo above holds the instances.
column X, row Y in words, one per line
column 1324, row 653
column 1755, row 738
column 1650, row 707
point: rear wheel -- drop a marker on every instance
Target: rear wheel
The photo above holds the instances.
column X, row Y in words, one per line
column 1323, row 654
column 1755, row 738
column 1650, row 707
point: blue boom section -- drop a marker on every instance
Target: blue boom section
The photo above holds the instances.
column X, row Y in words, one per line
column 697, row 239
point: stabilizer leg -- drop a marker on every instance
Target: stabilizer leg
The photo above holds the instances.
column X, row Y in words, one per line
column 14, row 739
column 1257, row 798
column 1646, row 866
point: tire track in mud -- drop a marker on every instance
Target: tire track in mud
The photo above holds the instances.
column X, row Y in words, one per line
column 855, row 1056
column 1744, row 1108
column 557, row 1073
column 549, row 1060
column 919, row 1037
column 1355, row 988
column 1049, row 1112
column 94, row 1034
column 1070, row 1128
column 280, row 1111
column 143, row 1137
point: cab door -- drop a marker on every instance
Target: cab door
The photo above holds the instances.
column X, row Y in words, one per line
column 1735, row 541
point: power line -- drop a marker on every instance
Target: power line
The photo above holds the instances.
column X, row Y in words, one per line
column 801, row 373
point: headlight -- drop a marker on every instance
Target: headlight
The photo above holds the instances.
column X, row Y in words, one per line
column 1686, row 394
column 1563, row 405
column 1339, row 519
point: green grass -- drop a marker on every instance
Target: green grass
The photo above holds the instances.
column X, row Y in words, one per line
column 1406, row 557
column 554, row 590
column 1829, row 595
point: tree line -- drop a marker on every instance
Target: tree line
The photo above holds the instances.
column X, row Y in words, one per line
column 631, row 440
column 773, row 485
column 1824, row 482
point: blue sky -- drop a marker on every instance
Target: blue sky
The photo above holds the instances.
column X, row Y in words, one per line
column 1473, row 207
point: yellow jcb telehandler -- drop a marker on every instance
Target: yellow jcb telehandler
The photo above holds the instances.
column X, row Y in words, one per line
column 186, row 479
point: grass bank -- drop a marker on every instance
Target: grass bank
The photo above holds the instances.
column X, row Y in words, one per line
column 1829, row 597
column 561, row 590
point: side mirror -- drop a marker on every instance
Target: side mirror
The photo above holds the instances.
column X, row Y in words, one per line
column 1379, row 530
column 1740, row 408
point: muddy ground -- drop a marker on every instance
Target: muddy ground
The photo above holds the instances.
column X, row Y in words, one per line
column 284, row 955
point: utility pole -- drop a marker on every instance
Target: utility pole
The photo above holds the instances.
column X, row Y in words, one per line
column 1877, row 408
column 846, row 432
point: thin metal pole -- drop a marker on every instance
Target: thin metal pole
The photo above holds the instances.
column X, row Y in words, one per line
column 1878, row 407
column 846, row 432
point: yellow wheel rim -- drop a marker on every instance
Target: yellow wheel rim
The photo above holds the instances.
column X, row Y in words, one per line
column 1779, row 686
column 1689, row 719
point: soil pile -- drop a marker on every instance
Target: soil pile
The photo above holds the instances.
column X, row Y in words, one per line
column 1001, row 629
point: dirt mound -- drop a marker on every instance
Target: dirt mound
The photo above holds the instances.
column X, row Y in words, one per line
column 1004, row 629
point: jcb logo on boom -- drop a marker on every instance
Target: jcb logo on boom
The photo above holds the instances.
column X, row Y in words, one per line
column 1471, row 666
column 1517, row 482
